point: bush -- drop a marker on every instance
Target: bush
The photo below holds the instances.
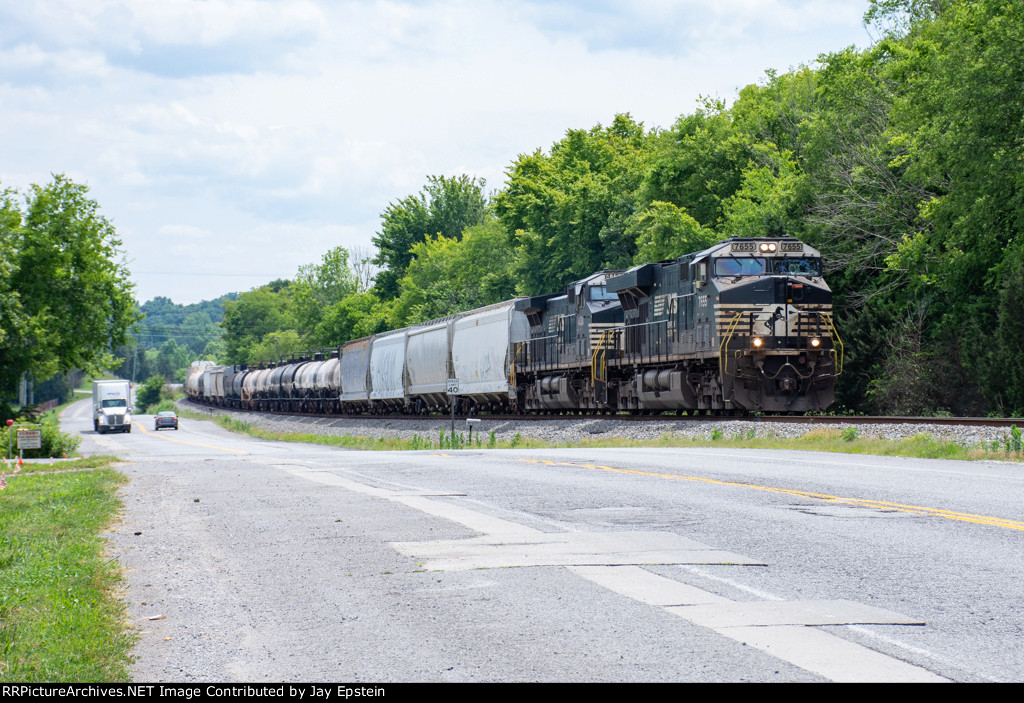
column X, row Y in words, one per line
column 6, row 411
column 163, row 405
column 55, row 443
column 149, row 392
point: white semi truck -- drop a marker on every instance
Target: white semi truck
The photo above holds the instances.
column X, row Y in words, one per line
column 112, row 406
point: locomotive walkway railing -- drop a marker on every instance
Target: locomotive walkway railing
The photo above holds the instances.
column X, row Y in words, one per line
column 722, row 368
column 644, row 344
column 837, row 358
column 599, row 358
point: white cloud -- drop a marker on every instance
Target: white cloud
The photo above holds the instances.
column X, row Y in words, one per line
column 258, row 134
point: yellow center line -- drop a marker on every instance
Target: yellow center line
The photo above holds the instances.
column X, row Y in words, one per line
column 861, row 502
column 181, row 441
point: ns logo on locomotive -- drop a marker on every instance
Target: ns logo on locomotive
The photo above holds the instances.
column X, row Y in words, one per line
column 745, row 325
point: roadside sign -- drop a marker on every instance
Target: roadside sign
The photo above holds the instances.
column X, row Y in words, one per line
column 30, row 439
column 453, row 386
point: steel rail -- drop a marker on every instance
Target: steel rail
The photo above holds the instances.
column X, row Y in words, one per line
column 666, row 417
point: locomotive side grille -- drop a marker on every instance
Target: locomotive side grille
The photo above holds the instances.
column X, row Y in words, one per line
column 659, row 305
column 614, row 341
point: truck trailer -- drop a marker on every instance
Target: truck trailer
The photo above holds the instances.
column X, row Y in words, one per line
column 112, row 406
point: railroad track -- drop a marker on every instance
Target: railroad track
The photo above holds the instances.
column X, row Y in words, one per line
column 667, row 417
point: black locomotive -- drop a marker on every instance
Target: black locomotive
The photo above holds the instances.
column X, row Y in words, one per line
column 744, row 325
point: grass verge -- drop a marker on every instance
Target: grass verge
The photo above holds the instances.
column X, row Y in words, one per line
column 43, row 466
column 60, row 618
column 847, row 441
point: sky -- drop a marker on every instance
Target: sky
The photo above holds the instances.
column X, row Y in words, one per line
column 230, row 142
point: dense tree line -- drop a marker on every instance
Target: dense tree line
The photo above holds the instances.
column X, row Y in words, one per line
column 902, row 163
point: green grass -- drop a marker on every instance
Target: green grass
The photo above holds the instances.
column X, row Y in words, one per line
column 846, row 441
column 924, row 446
column 60, row 618
column 43, row 466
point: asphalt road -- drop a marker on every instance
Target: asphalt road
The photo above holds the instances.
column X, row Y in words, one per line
column 249, row 560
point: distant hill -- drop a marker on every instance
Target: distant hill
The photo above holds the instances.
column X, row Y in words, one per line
column 192, row 326
column 161, row 310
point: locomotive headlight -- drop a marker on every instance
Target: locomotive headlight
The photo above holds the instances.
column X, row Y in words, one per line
column 815, row 342
column 767, row 246
column 758, row 342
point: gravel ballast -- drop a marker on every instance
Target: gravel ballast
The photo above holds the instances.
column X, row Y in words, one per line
column 571, row 430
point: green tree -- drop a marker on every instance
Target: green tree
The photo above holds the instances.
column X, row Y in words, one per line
column 14, row 324
column 171, row 358
column 862, row 209
column 698, row 163
column 275, row 345
column 664, row 231
column 450, row 275
column 252, row 317
column 149, row 392
column 67, row 298
column 914, row 157
column 444, row 207
column 213, row 351
column 766, row 203
column 319, row 286
column 358, row 315
column 569, row 212
column 198, row 331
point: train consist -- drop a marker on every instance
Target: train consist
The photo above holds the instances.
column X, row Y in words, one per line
column 745, row 325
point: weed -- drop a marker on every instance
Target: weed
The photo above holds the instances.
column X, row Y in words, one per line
column 850, row 433
column 1013, row 441
column 451, row 441
column 418, row 442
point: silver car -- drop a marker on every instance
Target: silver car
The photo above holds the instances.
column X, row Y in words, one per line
column 167, row 418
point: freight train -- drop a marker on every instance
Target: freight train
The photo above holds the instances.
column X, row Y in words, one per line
column 743, row 326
